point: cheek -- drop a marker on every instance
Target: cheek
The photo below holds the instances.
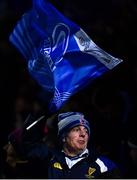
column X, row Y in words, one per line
column 87, row 138
column 72, row 139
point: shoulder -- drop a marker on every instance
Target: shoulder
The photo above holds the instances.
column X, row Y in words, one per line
column 107, row 167
column 105, row 164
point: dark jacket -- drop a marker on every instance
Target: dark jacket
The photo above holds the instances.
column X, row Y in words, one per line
column 51, row 163
column 55, row 165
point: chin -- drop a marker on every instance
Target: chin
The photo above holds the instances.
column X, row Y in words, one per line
column 81, row 148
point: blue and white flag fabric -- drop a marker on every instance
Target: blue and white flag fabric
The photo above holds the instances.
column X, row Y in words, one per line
column 61, row 57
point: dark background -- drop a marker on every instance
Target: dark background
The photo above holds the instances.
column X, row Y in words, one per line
column 112, row 25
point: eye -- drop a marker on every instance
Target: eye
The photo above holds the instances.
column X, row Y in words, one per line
column 86, row 131
column 76, row 129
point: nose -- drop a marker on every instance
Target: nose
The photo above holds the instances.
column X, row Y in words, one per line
column 82, row 133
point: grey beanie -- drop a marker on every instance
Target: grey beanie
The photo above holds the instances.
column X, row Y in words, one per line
column 67, row 121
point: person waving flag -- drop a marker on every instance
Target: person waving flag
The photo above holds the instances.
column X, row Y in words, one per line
column 61, row 57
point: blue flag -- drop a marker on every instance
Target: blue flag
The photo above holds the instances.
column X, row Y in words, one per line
column 61, row 57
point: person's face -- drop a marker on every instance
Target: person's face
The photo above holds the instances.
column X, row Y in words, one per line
column 77, row 139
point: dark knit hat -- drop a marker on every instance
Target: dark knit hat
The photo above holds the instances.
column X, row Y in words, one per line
column 67, row 121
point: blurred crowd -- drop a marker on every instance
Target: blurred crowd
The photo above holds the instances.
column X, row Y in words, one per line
column 110, row 102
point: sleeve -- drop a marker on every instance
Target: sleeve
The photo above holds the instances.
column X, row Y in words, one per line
column 113, row 174
column 26, row 146
column 109, row 169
